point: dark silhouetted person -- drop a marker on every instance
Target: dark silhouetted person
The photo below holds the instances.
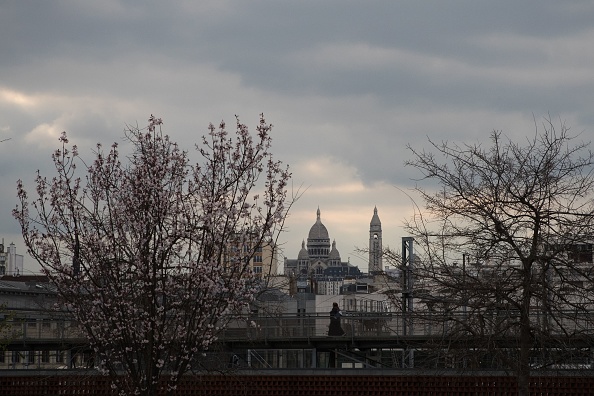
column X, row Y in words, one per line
column 335, row 314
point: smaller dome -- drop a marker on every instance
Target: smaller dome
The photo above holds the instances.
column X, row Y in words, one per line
column 303, row 254
column 334, row 255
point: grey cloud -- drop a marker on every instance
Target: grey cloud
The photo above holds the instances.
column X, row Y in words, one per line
column 347, row 80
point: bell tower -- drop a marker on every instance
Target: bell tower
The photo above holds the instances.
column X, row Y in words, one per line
column 375, row 244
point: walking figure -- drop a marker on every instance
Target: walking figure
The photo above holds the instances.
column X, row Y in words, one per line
column 335, row 314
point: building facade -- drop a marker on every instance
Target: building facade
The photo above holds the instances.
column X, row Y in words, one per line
column 320, row 259
column 257, row 257
column 264, row 262
column 11, row 263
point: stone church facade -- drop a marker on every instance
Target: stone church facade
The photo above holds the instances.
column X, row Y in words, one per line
column 320, row 259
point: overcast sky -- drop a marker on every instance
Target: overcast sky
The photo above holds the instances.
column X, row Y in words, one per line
column 347, row 85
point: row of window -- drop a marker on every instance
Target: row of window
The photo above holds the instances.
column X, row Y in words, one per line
column 32, row 323
column 318, row 252
column 32, row 357
column 247, row 248
column 366, row 305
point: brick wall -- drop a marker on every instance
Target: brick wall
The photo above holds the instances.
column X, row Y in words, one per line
column 307, row 385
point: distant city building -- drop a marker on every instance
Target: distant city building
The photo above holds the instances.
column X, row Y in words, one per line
column 375, row 244
column 329, row 286
column 263, row 260
column 11, row 263
column 320, row 260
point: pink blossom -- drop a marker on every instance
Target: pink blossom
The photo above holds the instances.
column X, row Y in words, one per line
column 147, row 233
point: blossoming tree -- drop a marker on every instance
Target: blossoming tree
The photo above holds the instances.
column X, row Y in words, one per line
column 149, row 252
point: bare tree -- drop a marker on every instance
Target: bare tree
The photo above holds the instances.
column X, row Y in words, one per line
column 505, row 246
column 151, row 255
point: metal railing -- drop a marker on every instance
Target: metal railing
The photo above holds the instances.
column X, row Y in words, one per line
column 59, row 343
column 355, row 325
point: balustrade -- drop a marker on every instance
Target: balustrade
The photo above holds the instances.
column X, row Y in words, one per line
column 356, row 325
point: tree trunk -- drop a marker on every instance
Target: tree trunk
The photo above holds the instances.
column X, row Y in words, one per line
column 523, row 368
